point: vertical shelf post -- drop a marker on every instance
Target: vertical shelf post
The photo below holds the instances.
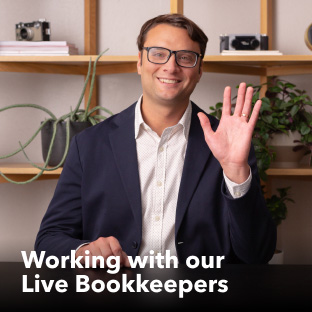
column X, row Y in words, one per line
column 176, row 6
column 266, row 20
column 90, row 42
column 266, row 28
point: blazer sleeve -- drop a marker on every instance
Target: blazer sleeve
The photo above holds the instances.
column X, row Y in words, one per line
column 252, row 229
column 61, row 227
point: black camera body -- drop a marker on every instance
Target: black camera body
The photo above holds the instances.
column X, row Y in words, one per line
column 244, row 42
column 35, row 31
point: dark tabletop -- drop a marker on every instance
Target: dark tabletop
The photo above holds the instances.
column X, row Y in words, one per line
column 249, row 288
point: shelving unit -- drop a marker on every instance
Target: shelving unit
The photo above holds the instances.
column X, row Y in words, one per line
column 262, row 66
column 266, row 65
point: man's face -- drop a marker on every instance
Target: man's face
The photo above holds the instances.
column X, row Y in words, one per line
column 168, row 84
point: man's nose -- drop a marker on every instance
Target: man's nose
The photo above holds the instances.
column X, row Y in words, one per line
column 171, row 64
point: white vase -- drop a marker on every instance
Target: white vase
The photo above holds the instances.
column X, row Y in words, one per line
column 278, row 257
column 283, row 144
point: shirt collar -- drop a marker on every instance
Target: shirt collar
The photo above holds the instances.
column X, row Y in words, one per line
column 185, row 120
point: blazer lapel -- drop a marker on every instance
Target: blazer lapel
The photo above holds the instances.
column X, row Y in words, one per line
column 124, row 149
column 196, row 157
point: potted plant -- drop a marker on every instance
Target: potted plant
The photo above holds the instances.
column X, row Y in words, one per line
column 283, row 110
column 56, row 133
column 286, row 116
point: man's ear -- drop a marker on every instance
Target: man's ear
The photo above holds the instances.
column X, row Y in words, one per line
column 139, row 63
column 201, row 66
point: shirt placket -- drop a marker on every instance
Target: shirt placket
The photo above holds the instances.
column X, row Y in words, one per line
column 158, row 207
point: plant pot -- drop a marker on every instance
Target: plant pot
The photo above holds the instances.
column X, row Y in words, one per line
column 283, row 144
column 60, row 139
column 278, row 257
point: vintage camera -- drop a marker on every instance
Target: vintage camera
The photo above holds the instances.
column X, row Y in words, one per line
column 35, row 31
column 243, row 42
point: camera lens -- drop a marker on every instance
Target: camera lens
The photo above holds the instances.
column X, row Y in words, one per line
column 235, row 43
column 26, row 33
column 255, row 43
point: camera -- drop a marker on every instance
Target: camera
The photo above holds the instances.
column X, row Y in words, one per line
column 243, row 42
column 35, row 31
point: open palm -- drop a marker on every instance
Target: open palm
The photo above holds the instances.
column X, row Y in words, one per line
column 230, row 143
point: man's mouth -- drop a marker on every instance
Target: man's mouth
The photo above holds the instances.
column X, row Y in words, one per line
column 170, row 81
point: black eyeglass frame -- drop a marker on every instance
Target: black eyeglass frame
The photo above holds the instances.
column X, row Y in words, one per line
column 175, row 56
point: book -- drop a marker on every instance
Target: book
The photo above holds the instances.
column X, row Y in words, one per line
column 251, row 52
column 30, row 53
column 43, row 49
column 35, row 43
column 37, row 48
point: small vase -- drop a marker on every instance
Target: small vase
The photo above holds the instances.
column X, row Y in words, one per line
column 60, row 139
column 278, row 257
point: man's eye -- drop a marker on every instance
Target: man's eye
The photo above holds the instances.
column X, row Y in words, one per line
column 158, row 54
column 186, row 58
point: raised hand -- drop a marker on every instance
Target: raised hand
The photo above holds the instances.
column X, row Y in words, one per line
column 230, row 143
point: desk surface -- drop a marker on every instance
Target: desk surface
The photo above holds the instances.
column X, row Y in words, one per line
column 250, row 288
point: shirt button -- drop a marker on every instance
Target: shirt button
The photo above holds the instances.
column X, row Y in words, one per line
column 159, row 183
column 237, row 194
column 161, row 149
column 157, row 218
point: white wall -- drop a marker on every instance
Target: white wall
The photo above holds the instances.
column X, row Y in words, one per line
column 22, row 207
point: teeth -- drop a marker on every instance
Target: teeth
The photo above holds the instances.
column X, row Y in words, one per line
column 168, row 80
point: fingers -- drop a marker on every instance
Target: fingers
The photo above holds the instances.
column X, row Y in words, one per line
column 248, row 101
column 205, row 124
column 240, row 99
column 105, row 247
column 125, row 260
column 255, row 114
column 227, row 101
column 244, row 101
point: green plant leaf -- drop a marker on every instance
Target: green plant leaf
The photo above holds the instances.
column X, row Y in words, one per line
column 92, row 84
column 29, row 106
column 294, row 110
column 219, row 105
column 267, row 118
column 73, row 115
column 305, row 130
column 275, row 89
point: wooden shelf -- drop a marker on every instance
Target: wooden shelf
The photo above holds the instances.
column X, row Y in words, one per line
column 266, row 65
column 22, row 172
column 72, row 65
column 290, row 172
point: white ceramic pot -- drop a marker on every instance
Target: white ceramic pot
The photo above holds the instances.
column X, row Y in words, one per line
column 278, row 257
column 283, row 145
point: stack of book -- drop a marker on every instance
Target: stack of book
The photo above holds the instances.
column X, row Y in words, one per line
column 45, row 48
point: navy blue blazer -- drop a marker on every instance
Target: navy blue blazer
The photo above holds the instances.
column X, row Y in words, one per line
column 98, row 194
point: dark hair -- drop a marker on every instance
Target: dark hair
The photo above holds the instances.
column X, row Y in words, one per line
column 177, row 20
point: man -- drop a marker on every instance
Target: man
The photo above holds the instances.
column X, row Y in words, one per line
column 164, row 175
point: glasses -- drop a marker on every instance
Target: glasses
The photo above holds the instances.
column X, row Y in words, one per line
column 183, row 58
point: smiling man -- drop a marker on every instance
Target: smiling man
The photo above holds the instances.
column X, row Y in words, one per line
column 163, row 175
